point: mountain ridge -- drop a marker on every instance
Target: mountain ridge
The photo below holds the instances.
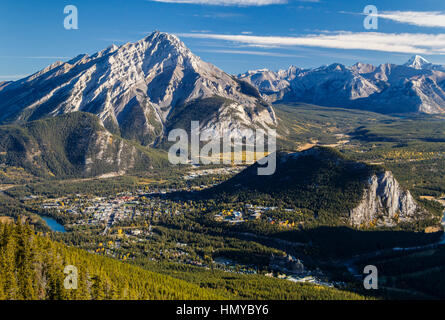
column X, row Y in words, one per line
column 133, row 89
column 328, row 187
column 3, row 84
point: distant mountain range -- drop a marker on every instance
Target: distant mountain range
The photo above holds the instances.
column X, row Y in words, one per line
column 414, row 87
column 139, row 90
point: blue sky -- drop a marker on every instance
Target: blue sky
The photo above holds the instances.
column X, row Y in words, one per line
column 235, row 35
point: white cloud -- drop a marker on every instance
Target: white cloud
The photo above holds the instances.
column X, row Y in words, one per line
column 35, row 57
column 226, row 2
column 201, row 31
column 12, row 77
column 221, row 15
column 414, row 43
column 418, row 18
column 45, row 57
column 249, row 52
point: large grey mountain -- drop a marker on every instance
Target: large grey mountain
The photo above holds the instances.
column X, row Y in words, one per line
column 417, row 86
column 139, row 90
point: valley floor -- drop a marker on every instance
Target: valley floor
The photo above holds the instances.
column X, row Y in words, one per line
column 250, row 250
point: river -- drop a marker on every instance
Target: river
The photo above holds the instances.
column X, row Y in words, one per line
column 53, row 224
column 427, row 246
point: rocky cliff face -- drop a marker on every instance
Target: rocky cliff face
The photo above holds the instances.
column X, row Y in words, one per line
column 3, row 84
column 385, row 203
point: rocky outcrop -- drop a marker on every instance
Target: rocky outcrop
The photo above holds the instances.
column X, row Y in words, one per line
column 287, row 263
column 109, row 154
column 385, row 203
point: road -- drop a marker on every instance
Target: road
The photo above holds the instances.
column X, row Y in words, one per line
column 352, row 268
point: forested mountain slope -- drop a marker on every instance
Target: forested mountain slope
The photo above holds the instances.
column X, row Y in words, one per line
column 32, row 267
column 75, row 144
